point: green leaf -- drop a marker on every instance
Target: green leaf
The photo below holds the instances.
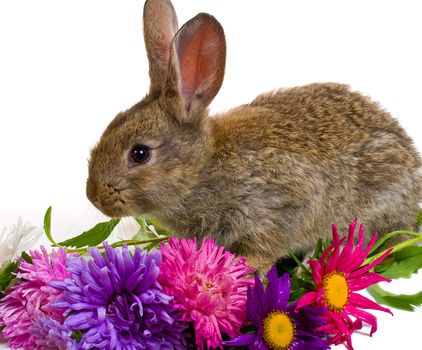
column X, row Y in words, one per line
column 142, row 222
column 162, row 231
column 96, row 235
column 381, row 242
column 404, row 268
column 321, row 246
column 25, row 256
column 402, row 264
column 318, row 250
column 419, row 218
column 77, row 335
column 406, row 302
column 299, row 287
column 47, row 226
column 6, row 274
column 297, row 260
column 143, row 233
column 408, row 252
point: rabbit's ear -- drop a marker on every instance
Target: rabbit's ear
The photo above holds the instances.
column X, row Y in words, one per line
column 198, row 60
column 160, row 26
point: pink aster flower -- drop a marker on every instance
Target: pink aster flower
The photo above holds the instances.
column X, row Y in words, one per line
column 209, row 286
column 31, row 295
column 338, row 275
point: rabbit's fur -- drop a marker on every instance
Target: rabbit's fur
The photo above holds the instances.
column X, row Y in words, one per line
column 261, row 177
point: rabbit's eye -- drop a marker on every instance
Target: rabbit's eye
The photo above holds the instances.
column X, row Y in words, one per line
column 140, row 154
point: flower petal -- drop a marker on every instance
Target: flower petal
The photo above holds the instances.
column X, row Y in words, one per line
column 317, row 271
column 347, row 250
column 360, row 301
column 360, row 255
column 255, row 308
column 241, row 340
column 364, row 316
column 277, row 292
column 366, row 280
column 370, row 266
column 308, row 299
column 345, row 331
column 332, row 260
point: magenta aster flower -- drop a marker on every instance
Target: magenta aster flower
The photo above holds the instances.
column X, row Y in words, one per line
column 30, row 298
column 278, row 324
column 338, row 274
column 209, row 286
column 114, row 299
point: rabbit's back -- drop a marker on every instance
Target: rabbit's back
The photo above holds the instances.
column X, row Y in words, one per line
column 299, row 159
column 333, row 118
column 328, row 121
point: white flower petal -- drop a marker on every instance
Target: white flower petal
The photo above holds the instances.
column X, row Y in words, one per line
column 16, row 239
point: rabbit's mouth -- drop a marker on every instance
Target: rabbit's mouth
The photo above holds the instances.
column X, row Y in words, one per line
column 109, row 199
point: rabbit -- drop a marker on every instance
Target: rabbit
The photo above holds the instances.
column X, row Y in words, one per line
column 261, row 178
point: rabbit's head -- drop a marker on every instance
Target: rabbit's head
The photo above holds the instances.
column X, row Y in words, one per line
column 150, row 156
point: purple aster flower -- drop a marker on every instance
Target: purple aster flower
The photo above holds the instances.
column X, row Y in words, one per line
column 278, row 324
column 51, row 335
column 116, row 302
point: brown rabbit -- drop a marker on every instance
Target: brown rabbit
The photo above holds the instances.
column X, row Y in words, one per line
column 260, row 177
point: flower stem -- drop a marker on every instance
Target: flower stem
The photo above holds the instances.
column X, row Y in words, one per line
column 397, row 247
column 386, row 237
column 121, row 243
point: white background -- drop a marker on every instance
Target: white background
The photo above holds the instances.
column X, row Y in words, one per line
column 68, row 67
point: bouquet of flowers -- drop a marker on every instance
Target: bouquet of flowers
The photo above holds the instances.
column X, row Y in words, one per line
column 160, row 292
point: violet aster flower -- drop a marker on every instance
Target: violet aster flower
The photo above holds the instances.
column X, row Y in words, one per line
column 278, row 324
column 31, row 296
column 209, row 286
column 116, row 302
column 51, row 335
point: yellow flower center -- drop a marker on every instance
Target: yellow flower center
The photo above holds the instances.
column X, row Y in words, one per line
column 336, row 291
column 279, row 331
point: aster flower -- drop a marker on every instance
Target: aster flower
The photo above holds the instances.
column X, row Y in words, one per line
column 16, row 239
column 278, row 325
column 30, row 298
column 116, row 302
column 51, row 335
column 209, row 286
column 338, row 275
